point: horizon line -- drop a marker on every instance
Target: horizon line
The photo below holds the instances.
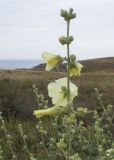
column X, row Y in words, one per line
column 41, row 59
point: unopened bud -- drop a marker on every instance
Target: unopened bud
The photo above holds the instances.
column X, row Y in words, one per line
column 63, row 40
column 63, row 13
column 71, row 39
column 71, row 10
column 72, row 57
column 73, row 16
column 69, row 16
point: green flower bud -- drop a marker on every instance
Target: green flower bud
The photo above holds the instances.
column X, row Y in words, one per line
column 63, row 13
column 69, row 15
column 71, row 10
column 73, row 15
column 70, row 39
column 63, row 40
column 72, row 57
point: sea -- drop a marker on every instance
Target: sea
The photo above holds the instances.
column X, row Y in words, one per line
column 18, row 64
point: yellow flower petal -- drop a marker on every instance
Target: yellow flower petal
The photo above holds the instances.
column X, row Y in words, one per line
column 51, row 59
column 48, row 112
column 75, row 69
column 58, row 95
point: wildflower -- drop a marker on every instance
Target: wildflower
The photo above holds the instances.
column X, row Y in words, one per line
column 75, row 68
column 48, row 112
column 51, row 59
column 59, row 92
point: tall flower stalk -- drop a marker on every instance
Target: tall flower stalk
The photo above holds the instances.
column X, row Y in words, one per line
column 68, row 15
column 62, row 91
column 68, row 60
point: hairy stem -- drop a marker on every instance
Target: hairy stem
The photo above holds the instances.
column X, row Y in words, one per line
column 68, row 82
column 68, row 57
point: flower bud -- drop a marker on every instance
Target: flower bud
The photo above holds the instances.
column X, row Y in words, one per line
column 71, row 10
column 70, row 39
column 73, row 15
column 69, row 15
column 63, row 40
column 63, row 13
column 72, row 57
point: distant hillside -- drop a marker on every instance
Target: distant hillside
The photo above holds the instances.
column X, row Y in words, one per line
column 98, row 64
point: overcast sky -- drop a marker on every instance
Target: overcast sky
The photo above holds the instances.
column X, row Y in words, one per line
column 29, row 27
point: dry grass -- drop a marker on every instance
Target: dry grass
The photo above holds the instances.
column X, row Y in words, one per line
column 28, row 75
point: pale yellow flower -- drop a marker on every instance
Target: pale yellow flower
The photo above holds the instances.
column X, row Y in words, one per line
column 51, row 59
column 58, row 92
column 75, row 68
column 48, row 112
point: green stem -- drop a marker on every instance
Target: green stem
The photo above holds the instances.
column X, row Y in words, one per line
column 68, row 82
column 54, row 132
column 68, row 57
